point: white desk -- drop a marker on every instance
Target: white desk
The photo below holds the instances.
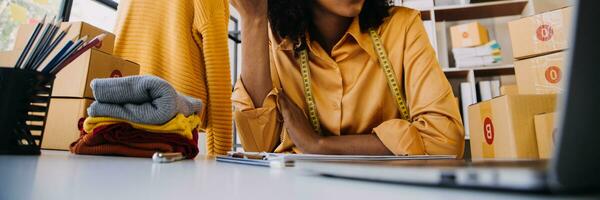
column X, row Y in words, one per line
column 60, row 175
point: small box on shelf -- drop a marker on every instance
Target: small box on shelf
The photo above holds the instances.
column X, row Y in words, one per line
column 468, row 35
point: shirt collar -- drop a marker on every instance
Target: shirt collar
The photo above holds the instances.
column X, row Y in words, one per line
column 363, row 39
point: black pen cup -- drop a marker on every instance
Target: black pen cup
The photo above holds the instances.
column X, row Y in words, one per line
column 24, row 101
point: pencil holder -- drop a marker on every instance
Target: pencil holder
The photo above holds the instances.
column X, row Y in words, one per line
column 24, row 101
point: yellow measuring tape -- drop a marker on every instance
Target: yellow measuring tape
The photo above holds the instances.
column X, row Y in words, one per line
column 395, row 86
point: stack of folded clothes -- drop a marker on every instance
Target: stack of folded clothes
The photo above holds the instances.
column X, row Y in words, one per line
column 137, row 116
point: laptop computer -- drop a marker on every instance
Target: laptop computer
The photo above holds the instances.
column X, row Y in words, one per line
column 576, row 158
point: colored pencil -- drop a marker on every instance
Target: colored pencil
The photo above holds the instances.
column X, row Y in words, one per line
column 32, row 38
column 52, row 46
column 58, row 56
column 96, row 42
column 54, row 69
column 38, row 45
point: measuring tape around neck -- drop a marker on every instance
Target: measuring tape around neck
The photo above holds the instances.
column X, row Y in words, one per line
column 395, row 86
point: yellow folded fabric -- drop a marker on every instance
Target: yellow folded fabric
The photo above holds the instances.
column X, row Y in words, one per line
column 178, row 125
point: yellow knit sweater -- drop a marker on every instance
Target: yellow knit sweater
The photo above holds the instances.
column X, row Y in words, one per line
column 185, row 43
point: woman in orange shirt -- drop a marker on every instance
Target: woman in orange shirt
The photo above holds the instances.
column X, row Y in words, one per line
column 341, row 77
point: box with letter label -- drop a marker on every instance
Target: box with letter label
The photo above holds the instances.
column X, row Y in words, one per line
column 540, row 34
column 545, row 132
column 468, row 35
column 503, row 127
column 540, row 75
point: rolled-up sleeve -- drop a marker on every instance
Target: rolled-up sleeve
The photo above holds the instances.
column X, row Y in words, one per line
column 436, row 127
column 258, row 128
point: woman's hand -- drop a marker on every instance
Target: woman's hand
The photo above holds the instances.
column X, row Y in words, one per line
column 298, row 126
column 251, row 8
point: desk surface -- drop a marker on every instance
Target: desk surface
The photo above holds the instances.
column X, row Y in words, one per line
column 60, row 175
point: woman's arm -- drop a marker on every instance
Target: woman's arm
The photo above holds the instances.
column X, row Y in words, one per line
column 301, row 132
column 255, row 75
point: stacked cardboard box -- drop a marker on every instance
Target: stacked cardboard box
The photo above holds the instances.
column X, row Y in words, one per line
column 520, row 126
column 539, row 42
column 71, row 92
column 472, row 47
column 540, row 62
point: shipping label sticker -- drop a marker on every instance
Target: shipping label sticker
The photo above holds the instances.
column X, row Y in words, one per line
column 553, row 74
column 488, row 130
column 116, row 74
column 548, row 75
column 549, row 26
column 544, row 32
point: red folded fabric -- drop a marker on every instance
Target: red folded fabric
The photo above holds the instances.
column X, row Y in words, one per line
column 124, row 140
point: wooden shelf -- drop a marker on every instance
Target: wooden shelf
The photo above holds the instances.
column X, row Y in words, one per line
column 497, row 8
column 480, row 71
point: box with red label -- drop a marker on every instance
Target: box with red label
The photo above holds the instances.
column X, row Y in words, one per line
column 545, row 132
column 503, row 128
column 540, row 34
column 468, row 35
column 540, row 75
column 74, row 80
column 62, row 122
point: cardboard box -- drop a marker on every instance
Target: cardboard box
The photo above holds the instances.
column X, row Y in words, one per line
column 468, row 35
column 62, row 121
column 541, row 75
column 78, row 29
column 541, row 6
column 509, row 90
column 540, row 34
column 545, row 132
column 74, row 80
column 9, row 58
column 503, row 128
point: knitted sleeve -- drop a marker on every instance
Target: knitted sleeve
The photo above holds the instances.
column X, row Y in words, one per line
column 210, row 31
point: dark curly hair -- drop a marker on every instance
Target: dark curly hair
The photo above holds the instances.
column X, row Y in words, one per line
column 291, row 18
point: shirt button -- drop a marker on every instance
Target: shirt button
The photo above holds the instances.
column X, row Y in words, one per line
column 337, row 106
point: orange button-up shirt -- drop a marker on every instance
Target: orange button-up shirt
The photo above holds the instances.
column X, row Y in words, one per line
column 352, row 95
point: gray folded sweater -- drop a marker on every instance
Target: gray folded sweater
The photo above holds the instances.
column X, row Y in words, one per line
column 140, row 99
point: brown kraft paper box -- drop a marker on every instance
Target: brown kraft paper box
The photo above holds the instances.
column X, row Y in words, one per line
column 545, row 132
column 540, row 34
column 62, row 120
column 540, row 75
column 503, row 128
